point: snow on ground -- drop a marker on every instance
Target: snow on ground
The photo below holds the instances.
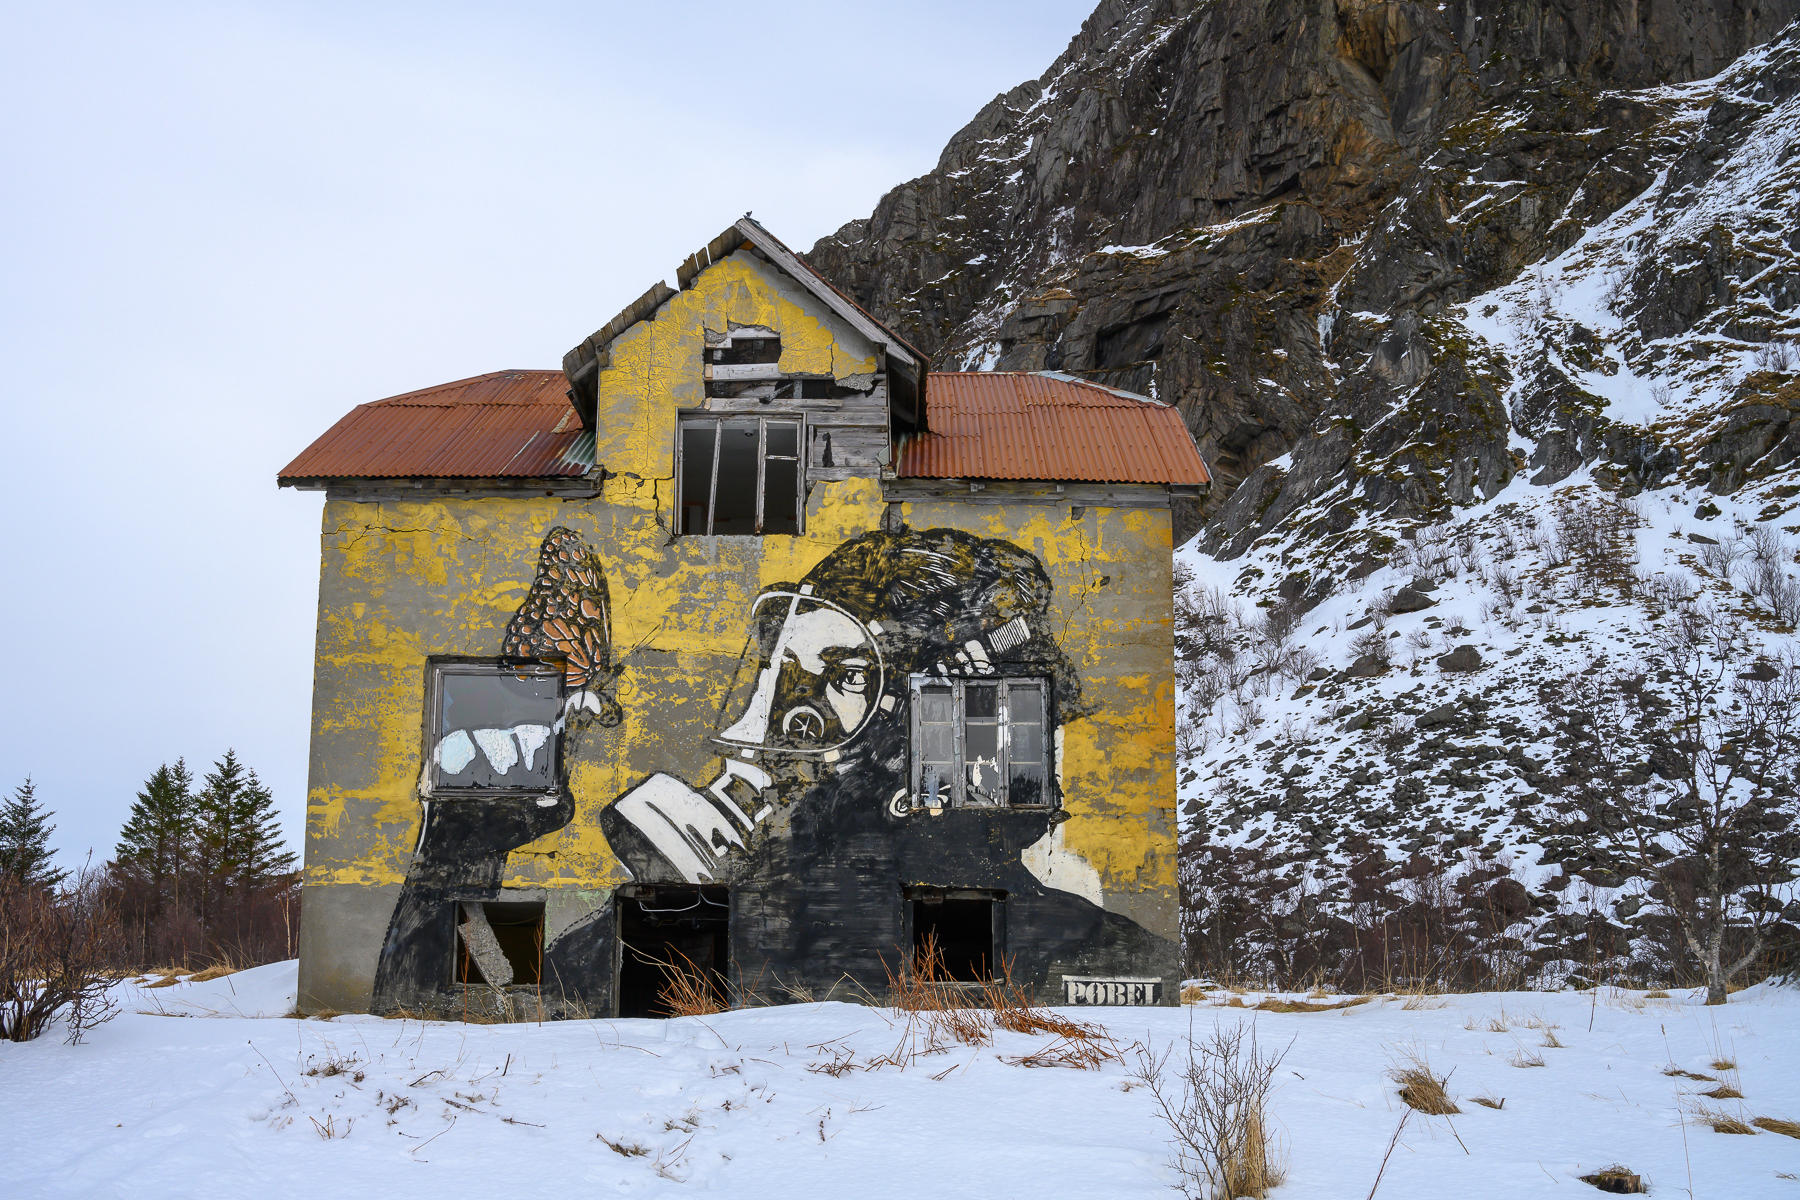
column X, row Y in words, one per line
column 221, row 1104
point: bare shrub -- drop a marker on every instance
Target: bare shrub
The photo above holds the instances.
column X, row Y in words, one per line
column 1781, row 357
column 56, row 959
column 1217, row 1112
column 1597, row 531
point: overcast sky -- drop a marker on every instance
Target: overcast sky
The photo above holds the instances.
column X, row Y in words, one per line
column 226, row 225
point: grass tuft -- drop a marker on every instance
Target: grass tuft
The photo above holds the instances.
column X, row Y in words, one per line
column 1777, row 1125
column 1719, row 1121
column 1527, row 1058
column 1421, row 1089
column 1489, row 1102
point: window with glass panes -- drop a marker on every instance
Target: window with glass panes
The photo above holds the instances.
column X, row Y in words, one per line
column 980, row 743
column 739, row 475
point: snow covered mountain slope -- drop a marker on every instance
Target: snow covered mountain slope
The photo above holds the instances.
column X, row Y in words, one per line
column 1373, row 680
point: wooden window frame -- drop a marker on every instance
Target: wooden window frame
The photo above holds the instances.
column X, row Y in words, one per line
column 436, row 670
column 958, row 684
column 763, row 421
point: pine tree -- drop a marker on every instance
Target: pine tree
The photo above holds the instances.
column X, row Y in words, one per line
column 157, row 844
column 25, row 831
column 239, row 830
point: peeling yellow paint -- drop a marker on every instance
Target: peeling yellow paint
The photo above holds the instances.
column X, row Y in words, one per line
column 403, row 580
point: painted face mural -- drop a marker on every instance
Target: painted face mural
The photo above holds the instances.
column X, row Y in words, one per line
column 826, row 685
column 496, row 731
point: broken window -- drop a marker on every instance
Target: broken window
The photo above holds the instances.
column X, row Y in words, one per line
column 669, row 930
column 739, row 475
column 960, row 926
column 499, row 943
column 980, row 743
column 494, row 726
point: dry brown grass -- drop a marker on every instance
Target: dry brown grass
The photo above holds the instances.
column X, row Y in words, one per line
column 1777, row 1125
column 686, row 990
column 1618, row 1180
column 1723, row 1091
column 1679, row 1073
column 1551, row 1040
column 941, row 1012
column 216, row 971
column 1658, row 994
column 169, row 981
column 1421, row 1088
column 1719, row 1121
column 1193, row 993
column 1723, row 1064
column 1526, row 1058
column 1489, row 1102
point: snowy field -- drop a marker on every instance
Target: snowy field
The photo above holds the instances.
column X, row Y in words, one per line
column 219, row 1094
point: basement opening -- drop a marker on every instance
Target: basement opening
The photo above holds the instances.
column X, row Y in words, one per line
column 664, row 929
column 962, row 924
column 499, row 943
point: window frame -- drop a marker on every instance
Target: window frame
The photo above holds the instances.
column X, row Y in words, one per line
column 717, row 420
column 462, row 959
column 436, row 671
column 959, row 684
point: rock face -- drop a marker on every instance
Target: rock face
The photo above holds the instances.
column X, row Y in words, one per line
column 1265, row 211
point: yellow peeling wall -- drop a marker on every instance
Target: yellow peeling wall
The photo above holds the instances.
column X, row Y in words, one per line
column 402, row 581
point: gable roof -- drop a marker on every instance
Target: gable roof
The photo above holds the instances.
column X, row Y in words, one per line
column 582, row 364
column 503, row 425
column 1048, row 426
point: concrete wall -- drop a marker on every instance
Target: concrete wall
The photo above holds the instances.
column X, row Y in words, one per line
column 819, row 860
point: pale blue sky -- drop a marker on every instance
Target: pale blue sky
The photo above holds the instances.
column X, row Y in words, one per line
column 226, row 225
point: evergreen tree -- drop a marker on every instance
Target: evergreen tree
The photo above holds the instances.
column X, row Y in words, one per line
column 239, row 831
column 157, row 845
column 25, row 831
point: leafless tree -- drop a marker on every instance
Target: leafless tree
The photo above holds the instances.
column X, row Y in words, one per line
column 1682, row 770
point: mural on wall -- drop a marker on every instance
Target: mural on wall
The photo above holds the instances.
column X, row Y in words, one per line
column 498, row 730
column 885, row 708
column 824, row 690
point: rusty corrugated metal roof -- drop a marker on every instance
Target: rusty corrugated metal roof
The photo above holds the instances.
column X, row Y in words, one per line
column 504, row 425
column 1029, row 425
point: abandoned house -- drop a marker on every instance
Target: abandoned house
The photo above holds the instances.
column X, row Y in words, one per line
column 745, row 646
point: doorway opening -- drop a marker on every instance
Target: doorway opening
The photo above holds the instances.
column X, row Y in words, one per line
column 665, row 929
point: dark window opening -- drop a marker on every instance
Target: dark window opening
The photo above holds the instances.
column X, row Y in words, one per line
column 739, row 475
column 494, row 727
column 743, row 346
column 499, row 943
column 668, row 929
column 957, row 926
column 980, row 743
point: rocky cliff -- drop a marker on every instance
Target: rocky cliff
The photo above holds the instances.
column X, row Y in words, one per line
column 1263, row 211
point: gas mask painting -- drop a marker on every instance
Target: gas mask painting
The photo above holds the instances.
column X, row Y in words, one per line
column 818, row 708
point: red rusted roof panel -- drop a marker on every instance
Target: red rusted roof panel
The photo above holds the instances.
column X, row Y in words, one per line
column 1023, row 425
column 509, row 424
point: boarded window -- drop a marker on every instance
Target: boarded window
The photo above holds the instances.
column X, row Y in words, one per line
column 980, row 743
column 739, row 475
column 499, row 943
column 494, row 727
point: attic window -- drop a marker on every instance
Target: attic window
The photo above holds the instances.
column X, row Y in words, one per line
column 745, row 346
column 739, row 475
